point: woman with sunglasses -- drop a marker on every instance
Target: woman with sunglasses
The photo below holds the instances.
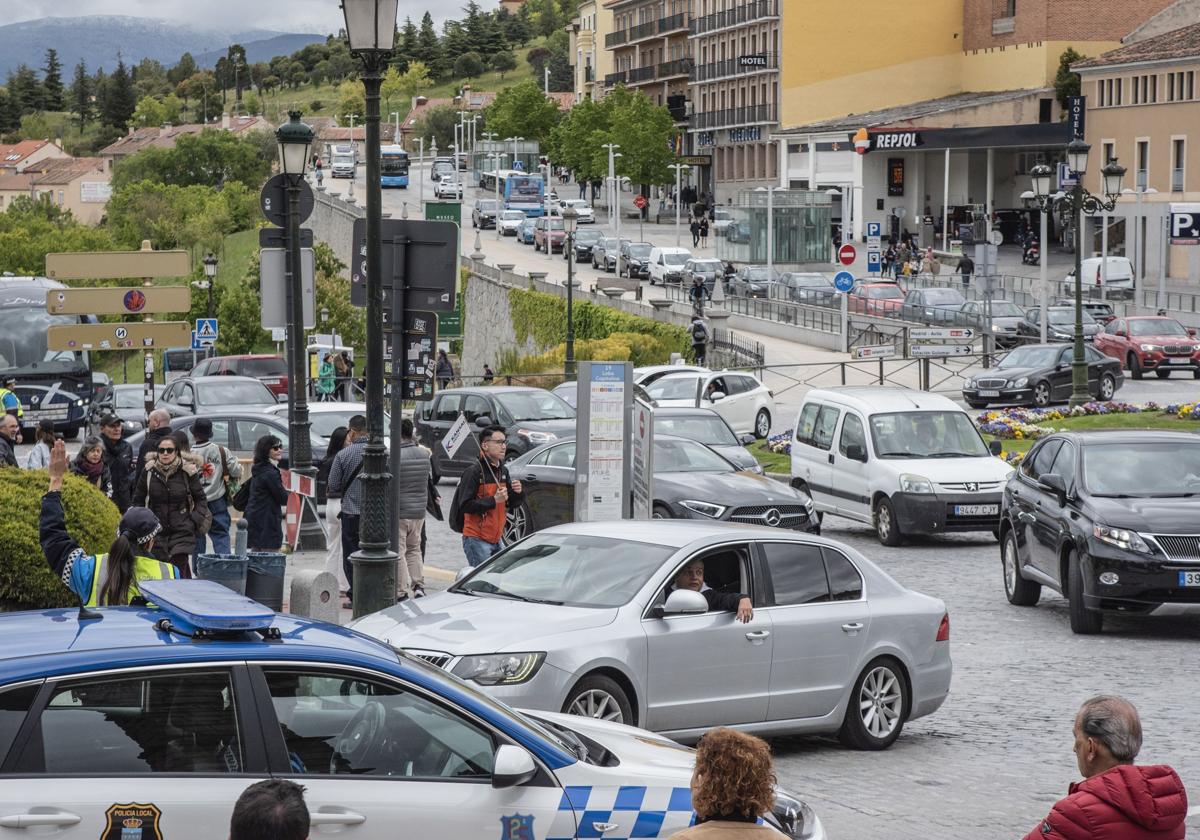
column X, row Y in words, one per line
column 264, row 514
column 169, row 484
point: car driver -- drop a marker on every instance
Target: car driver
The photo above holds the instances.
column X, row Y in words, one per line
column 691, row 577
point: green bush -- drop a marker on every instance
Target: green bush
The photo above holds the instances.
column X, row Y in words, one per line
column 544, row 318
column 26, row 582
column 639, row 348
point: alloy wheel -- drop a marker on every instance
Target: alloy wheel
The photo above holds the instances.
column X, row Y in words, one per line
column 595, row 703
column 1041, row 395
column 1009, row 554
column 880, row 702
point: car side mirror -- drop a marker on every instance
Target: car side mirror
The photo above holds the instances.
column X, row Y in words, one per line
column 463, row 572
column 513, row 766
column 1192, row 332
column 716, row 395
column 1122, row 332
column 483, row 421
column 685, row 602
column 746, row 440
column 855, row 452
column 1055, row 484
column 996, row 448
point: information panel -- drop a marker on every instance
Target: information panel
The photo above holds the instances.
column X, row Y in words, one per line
column 605, row 401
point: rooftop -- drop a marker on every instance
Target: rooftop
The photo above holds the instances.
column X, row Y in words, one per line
column 12, row 155
column 1176, row 44
column 913, row 111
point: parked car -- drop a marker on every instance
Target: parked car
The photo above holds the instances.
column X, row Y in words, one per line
column 1101, row 311
column 1101, row 519
column 737, row 231
column 530, row 417
column 568, row 392
column 905, row 461
column 618, row 642
column 270, row 370
column 721, row 220
column 448, row 186
column 751, row 281
column 525, row 231
column 1116, row 283
column 1040, row 374
column 586, row 215
column 805, row 287
column 648, row 374
column 509, row 221
column 324, row 417
column 745, row 403
column 1154, row 343
column 707, row 270
column 549, row 234
column 238, row 431
column 582, row 242
column 1060, row 324
column 704, row 425
column 666, row 265
column 635, row 259
column 882, row 299
column 604, row 253
column 443, row 169
column 932, row 306
column 484, row 213
column 127, row 402
column 201, row 394
column 1006, row 316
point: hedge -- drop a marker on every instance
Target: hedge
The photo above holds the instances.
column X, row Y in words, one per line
column 638, row 348
column 543, row 317
column 26, row 582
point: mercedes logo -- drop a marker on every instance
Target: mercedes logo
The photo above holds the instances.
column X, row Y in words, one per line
column 971, row 486
column 772, row 517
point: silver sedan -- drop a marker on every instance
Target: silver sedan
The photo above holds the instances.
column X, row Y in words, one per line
column 619, row 620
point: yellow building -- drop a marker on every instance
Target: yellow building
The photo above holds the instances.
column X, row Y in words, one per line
column 592, row 61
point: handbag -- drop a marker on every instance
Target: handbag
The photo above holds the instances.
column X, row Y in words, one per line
column 241, row 499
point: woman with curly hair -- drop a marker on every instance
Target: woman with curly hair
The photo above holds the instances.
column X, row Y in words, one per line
column 733, row 784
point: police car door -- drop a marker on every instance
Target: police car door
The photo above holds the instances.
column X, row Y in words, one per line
column 126, row 755
column 380, row 759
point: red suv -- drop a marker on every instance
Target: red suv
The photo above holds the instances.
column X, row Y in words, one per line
column 548, row 234
column 270, row 370
column 1151, row 343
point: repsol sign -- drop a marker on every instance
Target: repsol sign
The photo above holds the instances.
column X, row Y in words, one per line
column 896, row 140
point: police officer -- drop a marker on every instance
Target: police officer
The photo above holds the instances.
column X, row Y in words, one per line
column 108, row 579
column 8, row 399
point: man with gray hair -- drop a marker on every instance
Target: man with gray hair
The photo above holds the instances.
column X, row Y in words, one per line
column 1116, row 800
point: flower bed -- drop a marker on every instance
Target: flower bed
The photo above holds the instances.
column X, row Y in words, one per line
column 781, row 444
column 1030, row 423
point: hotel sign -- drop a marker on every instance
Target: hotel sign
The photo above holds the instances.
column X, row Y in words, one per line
column 759, row 60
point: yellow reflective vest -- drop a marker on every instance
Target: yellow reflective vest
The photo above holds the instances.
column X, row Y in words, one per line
column 144, row 568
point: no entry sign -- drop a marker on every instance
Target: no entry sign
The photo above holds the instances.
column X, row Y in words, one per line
column 847, row 255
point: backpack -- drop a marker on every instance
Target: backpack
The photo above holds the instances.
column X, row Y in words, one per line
column 699, row 333
column 241, row 499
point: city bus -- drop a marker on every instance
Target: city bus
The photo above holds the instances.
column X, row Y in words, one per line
column 393, row 167
column 518, row 190
column 51, row 384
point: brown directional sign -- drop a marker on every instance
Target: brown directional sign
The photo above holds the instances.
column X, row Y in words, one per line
column 138, row 300
column 146, row 335
column 100, row 265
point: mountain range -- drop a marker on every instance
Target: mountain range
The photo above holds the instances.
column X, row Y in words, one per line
column 97, row 39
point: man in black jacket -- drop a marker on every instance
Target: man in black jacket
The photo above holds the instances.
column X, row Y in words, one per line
column 10, row 435
column 118, row 455
column 691, row 577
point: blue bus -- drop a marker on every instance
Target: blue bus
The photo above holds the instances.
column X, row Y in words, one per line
column 518, row 190
column 393, row 167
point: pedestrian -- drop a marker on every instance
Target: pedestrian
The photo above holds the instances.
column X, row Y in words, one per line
column 698, row 294
column 169, row 484
column 699, row 340
column 889, row 260
column 433, row 507
column 445, row 370
column 118, row 454
column 965, row 267
column 99, row 579
column 333, row 509
column 341, row 374
column 158, row 426
column 349, row 360
column 484, row 495
column 89, row 465
column 9, row 401
column 10, row 436
column 583, row 189
column 272, row 809
column 694, row 227
column 488, row 375
column 1117, row 800
column 39, row 457
column 704, row 232
column 220, row 471
column 412, row 501
column 733, row 786
column 326, row 379
column 343, row 484
column 264, row 511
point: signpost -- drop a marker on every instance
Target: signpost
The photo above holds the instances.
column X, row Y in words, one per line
column 921, row 350
column 1185, row 224
column 605, row 406
column 941, row 334
column 874, row 247
column 272, row 285
column 145, row 335
column 109, row 265
column 641, row 462
column 847, row 255
column 640, row 202
column 843, row 281
column 118, row 301
column 875, row 351
column 273, row 200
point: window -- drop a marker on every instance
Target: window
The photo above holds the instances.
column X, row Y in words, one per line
column 448, row 407
column 249, row 431
column 1041, row 460
column 797, row 573
column 1178, row 157
column 845, row 583
column 387, row 731
column 1100, row 86
column 1143, row 163
column 826, row 423
column 1064, row 462
column 474, row 407
column 852, row 435
column 1109, row 151
column 14, row 704
column 180, row 723
column 220, row 432
column 561, row 456
column 807, row 422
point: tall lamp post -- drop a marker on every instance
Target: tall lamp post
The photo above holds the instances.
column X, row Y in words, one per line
column 1139, row 246
column 613, row 154
column 1045, row 206
column 497, row 159
column 679, row 168
column 371, row 30
column 570, row 217
column 210, row 273
column 1082, row 202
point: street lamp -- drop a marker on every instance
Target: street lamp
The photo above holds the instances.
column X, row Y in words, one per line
column 514, row 141
column 1082, row 202
column 1139, row 244
column 679, row 168
column 1041, row 175
column 210, row 271
column 371, row 31
column 613, row 154
column 570, row 217
column 497, row 159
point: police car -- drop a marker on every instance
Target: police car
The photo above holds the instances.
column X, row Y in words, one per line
column 145, row 723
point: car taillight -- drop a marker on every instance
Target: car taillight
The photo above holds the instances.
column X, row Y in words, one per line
column 943, row 634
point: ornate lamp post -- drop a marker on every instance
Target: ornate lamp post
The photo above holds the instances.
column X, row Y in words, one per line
column 570, row 217
column 371, row 30
column 210, row 272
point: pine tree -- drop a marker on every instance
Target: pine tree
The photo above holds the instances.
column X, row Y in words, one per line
column 25, row 91
column 408, row 39
column 429, row 49
column 119, row 100
column 81, row 95
column 10, row 117
column 52, row 84
column 473, row 26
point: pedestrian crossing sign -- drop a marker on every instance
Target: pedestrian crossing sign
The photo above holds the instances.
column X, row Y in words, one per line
column 206, row 329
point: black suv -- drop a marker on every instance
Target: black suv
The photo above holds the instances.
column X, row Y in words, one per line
column 635, row 259
column 530, row 417
column 1108, row 519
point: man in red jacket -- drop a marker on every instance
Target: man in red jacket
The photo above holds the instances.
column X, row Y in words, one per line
column 1116, row 800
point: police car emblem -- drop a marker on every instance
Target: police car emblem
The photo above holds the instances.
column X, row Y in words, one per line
column 516, row 827
column 133, row 821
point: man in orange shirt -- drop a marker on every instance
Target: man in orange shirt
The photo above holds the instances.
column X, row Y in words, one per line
column 485, row 492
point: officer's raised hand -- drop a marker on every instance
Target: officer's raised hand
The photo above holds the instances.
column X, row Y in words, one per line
column 58, row 465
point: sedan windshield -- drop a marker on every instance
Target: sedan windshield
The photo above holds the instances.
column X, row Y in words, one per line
column 687, row 456
column 944, row 297
column 488, row 206
column 570, row 569
column 705, row 428
column 639, row 250
column 233, row 394
column 133, row 397
column 884, row 293
column 807, row 281
column 926, row 434
column 512, row 214
column 1151, row 469
column 706, row 267
column 1030, row 357
column 534, row 405
column 674, row 259
column 1006, row 309
column 1067, row 316
column 673, row 388
column 1156, row 326
column 586, row 237
column 756, row 274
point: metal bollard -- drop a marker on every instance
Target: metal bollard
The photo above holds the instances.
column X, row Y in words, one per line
column 241, row 537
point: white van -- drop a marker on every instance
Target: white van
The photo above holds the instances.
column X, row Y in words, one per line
column 905, row 461
column 666, row 265
column 1116, row 282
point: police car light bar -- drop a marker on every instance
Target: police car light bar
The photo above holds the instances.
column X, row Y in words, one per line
column 207, row 605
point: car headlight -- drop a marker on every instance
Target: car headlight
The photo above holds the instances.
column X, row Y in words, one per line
column 970, row 383
column 704, row 508
column 1121, row 538
column 1018, row 383
column 795, row 818
column 809, row 506
column 537, row 437
column 500, row 668
column 910, row 483
column 1150, row 348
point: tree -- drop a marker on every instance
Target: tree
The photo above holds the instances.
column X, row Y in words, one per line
column 537, row 58
column 149, row 111
column 468, row 65
column 644, row 131
column 429, row 49
column 119, row 103
column 239, row 310
column 400, row 88
column 474, row 27
column 52, row 84
column 351, row 100
column 25, row 91
column 211, row 158
column 504, row 61
column 548, row 19
column 10, row 114
column 522, row 110
column 81, row 96
column 454, row 44
column 184, row 69
column 438, row 123
column 1066, row 83
column 406, row 45
column 572, row 141
column 562, row 77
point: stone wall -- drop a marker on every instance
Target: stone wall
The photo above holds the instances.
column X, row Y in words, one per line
column 332, row 222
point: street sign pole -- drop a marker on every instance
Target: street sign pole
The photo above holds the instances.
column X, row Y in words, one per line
column 399, row 365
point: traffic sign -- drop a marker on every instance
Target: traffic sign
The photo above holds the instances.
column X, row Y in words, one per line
column 1185, row 224
column 843, row 281
column 277, row 238
column 272, row 285
column 847, row 255
column 876, row 351
column 940, row 350
column 874, row 229
column 874, row 262
column 201, row 343
column 206, row 329
column 640, row 202
column 274, row 203
column 145, row 335
column 108, row 265
column 431, row 262
column 138, row 300
column 941, row 333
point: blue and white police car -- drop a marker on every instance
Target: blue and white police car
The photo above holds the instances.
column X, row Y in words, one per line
column 147, row 723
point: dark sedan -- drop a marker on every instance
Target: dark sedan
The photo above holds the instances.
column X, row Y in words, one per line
column 1101, row 311
column 127, row 402
column 1108, row 519
column 691, row 481
column 582, row 241
column 934, row 305
column 1040, row 374
column 1060, row 324
column 604, row 253
column 751, row 281
column 707, row 270
column 1005, row 317
column 635, row 260
column 704, row 425
column 806, row 287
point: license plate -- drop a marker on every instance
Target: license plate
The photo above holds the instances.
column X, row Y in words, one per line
column 1189, row 578
column 1178, row 361
column 989, row 393
column 978, row 510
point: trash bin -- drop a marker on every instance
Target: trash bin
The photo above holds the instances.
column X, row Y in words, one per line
column 226, row 569
column 264, row 578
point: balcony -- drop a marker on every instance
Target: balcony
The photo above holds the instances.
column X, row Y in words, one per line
column 641, row 74
column 732, row 117
column 614, row 79
column 615, row 39
column 746, row 13
column 589, row 73
column 678, row 67
column 1004, row 26
column 740, row 66
column 673, row 22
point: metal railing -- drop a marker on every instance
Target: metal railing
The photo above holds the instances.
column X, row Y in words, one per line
column 614, row 79
column 678, row 67
column 649, row 29
column 747, row 12
column 731, row 350
column 641, row 74
column 731, row 67
column 739, row 116
column 615, row 39
column 589, row 73
column 672, row 22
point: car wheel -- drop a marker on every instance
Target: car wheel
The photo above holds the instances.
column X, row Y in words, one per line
column 1041, row 394
column 1108, row 387
column 976, row 404
column 1135, row 366
column 878, row 702
column 1162, row 374
column 661, row 511
column 1196, row 373
column 599, row 697
column 1020, row 592
column 886, row 526
column 1084, row 622
column 762, row 424
column 518, row 523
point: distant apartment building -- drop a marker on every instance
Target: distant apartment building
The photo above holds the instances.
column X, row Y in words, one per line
column 80, row 185
column 651, row 51
column 592, row 23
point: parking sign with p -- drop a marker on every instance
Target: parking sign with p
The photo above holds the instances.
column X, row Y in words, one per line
column 1185, row 224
